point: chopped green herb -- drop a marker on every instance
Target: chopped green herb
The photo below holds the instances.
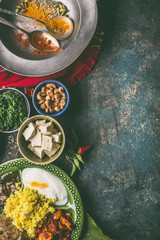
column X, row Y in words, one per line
column 13, row 111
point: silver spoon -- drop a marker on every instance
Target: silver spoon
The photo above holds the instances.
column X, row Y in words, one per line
column 58, row 34
column 39, row 39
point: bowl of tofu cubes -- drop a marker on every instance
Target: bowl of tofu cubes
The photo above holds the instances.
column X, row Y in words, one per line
column 41, row 139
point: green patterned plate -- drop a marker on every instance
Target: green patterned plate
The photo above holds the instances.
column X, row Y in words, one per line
column 74, row 204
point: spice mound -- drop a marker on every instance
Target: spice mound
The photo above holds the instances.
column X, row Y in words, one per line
column 59, row 25
column 44, row 44
column 28, row 209
column 43, row 10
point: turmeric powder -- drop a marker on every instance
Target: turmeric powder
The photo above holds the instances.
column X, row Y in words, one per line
column 58, row 26
column 45, row 12
column 41, row 13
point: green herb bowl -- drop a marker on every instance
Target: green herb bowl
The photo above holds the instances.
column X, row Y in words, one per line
column 22, row 143
column 5, row 90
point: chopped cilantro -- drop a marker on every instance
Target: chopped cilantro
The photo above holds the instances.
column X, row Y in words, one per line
column 13, row 110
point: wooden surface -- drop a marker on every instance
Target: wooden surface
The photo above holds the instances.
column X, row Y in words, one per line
column 117, row 110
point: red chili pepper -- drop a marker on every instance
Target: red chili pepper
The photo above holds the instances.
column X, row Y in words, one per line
column 82, row 150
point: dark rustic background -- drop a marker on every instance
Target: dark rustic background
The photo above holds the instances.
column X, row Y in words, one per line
column 117, row 110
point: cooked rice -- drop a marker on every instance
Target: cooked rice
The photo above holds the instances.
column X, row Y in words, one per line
column 28, row 209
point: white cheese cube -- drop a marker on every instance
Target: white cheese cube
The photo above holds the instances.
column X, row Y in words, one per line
column 30, row 131
column 40, row 122
column 30, row 147
column 36, row 141
column 47, row 133
column 53, row 151
column 36, row 150
column 57, row 137
column 47, row 127
column 47, row 143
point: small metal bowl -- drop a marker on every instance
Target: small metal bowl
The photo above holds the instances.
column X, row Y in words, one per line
column 4, row 90
column 38, row 89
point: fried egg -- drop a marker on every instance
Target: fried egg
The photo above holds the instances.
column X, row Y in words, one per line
column 45, row 183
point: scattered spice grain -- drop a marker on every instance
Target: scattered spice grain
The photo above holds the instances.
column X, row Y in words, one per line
column 20, row 37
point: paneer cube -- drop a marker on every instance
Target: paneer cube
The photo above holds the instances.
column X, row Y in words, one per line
column 30, row 131
column 57, row 137
column 47, row 133
column 53, row 151
column 36, row 141
column 46, row 128
column 38, row 151
column 40, row 122
column 47, row 143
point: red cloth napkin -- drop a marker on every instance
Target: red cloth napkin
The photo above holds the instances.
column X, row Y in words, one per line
column 69, row 76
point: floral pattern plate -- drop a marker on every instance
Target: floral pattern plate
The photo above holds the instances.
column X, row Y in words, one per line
column 74, row 204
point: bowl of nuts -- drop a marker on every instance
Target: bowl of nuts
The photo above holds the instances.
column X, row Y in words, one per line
column 50, row 98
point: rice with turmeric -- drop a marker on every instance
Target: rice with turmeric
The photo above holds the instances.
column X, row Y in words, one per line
column 28, row 209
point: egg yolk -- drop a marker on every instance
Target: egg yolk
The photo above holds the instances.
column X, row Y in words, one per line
column 39, row 185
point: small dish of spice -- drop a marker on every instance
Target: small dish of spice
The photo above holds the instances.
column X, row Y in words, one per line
column 60, row 27
column 51, row 98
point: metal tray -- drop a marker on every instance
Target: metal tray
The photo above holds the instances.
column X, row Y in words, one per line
column 17, row 60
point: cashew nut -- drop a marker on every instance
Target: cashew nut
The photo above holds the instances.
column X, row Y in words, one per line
column 51, row 98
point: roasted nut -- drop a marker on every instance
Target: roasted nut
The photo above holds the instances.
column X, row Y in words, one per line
column 56, row 90
column 48, row 85
column 53, row 85
column 60, row 89
column 61, row 106
column 57, row 96
column 39, row 97
column 47, row 110
column 63, row 103
column 51, row 110
column 43, row 94
column 57, row 109
column 43, row 106
column 52, row 93
column 63, row 94
column 48, row 91
column 40, row 102
column 43, row 89
column 48, row 103
column 56, row 103
column 48, row 98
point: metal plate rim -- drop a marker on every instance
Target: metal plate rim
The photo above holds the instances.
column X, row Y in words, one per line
column 83, row 8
